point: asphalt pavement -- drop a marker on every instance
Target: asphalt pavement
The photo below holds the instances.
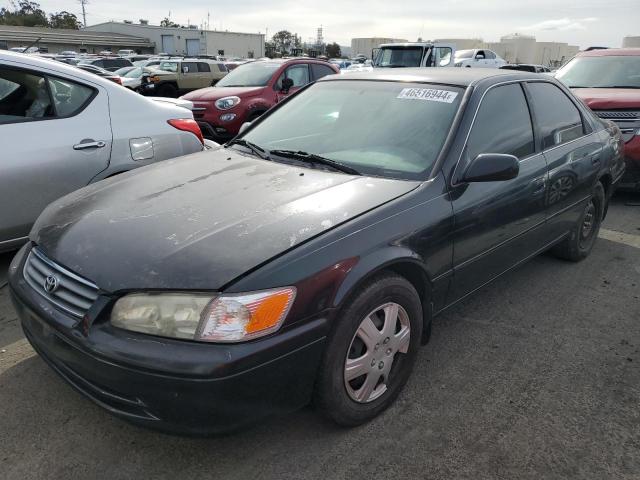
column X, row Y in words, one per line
column 536, row 376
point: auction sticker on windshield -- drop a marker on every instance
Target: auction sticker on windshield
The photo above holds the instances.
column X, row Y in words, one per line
column 431, row 94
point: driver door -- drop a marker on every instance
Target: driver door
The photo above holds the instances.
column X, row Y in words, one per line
column 299, row 73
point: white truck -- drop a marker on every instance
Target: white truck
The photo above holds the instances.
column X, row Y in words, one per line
column 414, row 54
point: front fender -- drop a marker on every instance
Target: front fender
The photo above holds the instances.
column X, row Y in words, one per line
column 373, row 263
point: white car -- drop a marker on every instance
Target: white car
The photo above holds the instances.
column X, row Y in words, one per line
column 62, row 128
column 480, row 58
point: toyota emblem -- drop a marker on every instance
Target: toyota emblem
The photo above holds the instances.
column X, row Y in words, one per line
column 51, row 284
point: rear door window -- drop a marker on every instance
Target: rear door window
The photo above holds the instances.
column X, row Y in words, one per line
column 559, row 119
column 503, row 124
column 68, row 97
column 28, row 96
column 320, row 71
column 23, row 96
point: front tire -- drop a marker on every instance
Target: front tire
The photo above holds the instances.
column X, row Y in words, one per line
column 578, row 245
column 167, row 90
column 370, row 352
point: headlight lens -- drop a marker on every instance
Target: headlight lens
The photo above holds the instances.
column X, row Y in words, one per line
column 227, row 102
column 227, row 318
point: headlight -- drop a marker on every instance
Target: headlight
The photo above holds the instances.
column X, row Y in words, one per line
column 227, row 318
column 227, row 102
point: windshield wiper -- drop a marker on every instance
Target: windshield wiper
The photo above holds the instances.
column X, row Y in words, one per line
column 313, row 158
column 259, row 151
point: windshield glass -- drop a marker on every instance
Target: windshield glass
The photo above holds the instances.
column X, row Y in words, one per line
column 601, row 72
column 394, row 57
column 387, row 129
column 464, row 53
column 169, row 66
column 254, row 74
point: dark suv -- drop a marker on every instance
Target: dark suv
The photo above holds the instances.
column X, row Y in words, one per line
column 249, row 91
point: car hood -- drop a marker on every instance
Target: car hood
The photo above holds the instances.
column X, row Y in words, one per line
column 606, row 98
column 214, row 93
column 200, row 221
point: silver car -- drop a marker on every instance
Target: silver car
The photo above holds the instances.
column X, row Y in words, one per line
column 62, row 128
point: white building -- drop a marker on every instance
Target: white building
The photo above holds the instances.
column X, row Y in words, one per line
column 364, row 46
column 190, row 41
column 631, row 42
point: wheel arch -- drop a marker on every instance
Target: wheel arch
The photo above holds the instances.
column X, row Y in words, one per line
column 399, row 261
column 606, row 181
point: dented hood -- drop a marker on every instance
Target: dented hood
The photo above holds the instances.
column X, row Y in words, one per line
column 199, row 222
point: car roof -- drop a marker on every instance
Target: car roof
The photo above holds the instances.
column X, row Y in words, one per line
column 611, row 52
column 37, row 63
column 462, row 77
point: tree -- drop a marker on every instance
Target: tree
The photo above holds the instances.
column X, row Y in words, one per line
column 166, row 22
column 333, row 50
column 283, row 41
column 24, row 14
column 64, row 19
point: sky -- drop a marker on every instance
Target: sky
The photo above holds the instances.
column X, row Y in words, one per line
column 577, row 22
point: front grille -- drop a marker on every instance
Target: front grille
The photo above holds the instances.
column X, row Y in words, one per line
column 64, row 289
column 615, row 114
column 627, row 120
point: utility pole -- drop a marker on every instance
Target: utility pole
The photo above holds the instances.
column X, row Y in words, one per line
column 84, row 12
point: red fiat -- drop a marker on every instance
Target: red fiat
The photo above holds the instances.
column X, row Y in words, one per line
column 249, row 91
column 608, row 81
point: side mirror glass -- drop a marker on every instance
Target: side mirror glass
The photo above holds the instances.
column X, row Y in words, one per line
column 244, row 126
column 492, row 167
column 287, row 83
column 479, row 57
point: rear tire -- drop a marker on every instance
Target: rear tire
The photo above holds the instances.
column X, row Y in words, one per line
column 578, row 245
column 368, row 358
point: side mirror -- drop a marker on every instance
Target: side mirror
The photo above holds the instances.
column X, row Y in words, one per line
column 243, row 127
column 479, row 57
column 185, row 69
column 287, row 83
column 492, row 167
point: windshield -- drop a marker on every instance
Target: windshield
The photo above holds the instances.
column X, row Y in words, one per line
column 601, row 72
column 387, row 129
column 464, row 53
column 393, row 57
column 254, row 74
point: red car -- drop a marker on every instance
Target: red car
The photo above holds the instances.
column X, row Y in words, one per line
column 608, row 81
column 249, row 91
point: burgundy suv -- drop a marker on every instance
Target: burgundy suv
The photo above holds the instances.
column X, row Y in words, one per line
column 608, row 81
column 249, row 91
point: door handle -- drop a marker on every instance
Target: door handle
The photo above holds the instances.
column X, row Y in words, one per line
column 87, row 145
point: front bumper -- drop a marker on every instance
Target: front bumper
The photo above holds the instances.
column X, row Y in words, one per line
column 631, row 178
column 171, row 385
